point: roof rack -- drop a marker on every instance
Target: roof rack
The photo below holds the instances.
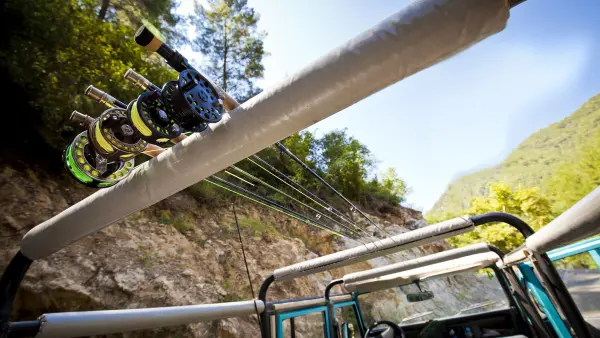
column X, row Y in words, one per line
column 437, row 270
column 417, row 262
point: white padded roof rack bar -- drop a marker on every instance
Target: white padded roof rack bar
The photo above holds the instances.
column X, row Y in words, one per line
column 379, row 248
column 580, row 221
column 416, row 263
column 438, row 270
column 91, row 323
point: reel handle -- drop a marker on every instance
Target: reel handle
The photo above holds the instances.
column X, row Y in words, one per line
column 81, row 119
column 104, row 98
column 140, row 81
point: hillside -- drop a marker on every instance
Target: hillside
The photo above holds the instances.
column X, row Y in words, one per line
column 532, row 163
column 181, row 251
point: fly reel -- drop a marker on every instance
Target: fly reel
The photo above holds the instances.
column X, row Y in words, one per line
column 104, row 154
column 148, row 116
column 89, row 167
column 113, row 137
column 192, row 101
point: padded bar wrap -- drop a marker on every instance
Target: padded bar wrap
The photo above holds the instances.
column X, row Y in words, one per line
column 379, row 248
column 580, row 221
column 90, row 323
column 416, row 263
column 438, row 270
column 514, row 257
column 309, row 303
column 423, row 34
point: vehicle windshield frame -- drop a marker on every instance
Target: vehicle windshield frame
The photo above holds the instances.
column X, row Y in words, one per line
column 504, row 303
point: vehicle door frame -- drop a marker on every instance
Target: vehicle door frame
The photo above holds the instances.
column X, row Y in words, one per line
column 529, row 278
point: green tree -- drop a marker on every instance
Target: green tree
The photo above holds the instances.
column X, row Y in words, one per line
column 345, row 162
column 347, row 165
column 394, row 185
column 527, row 204
column 534, row 163
column 231, row 45
column 575, row 179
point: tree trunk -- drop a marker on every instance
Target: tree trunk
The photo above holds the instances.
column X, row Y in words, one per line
column 225, row 69
column 225, row 51
column 103, row 10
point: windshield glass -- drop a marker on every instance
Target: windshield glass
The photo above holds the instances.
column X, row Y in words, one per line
column 462, row 294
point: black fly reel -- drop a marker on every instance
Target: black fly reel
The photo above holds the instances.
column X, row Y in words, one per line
column 150, row 119
column 192, row 101
column 104, row 154
column 89, row 167
column 113, row 136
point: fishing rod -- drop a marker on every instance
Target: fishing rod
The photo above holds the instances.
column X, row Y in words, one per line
column 298, row 187
column 152, row 150
column 256, row 179
column 144, row 84
column 273, row 204
column 320, row 179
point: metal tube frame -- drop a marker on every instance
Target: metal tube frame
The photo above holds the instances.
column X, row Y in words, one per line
column 14, row 273
column 556, row 288
column 565, row 301
column 526, row 304
column 548, row 274
column 9, row 285
column 330, row 308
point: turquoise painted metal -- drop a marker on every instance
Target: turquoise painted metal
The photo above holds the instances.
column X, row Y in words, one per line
column 595, row 256
column 343, row 304
column 528, row 277
column 592, row 246
column 280, row 317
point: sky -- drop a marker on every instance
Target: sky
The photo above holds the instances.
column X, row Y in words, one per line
column 463, row 114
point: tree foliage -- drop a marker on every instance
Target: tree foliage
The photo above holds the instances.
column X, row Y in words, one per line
column 51, row 51
column 158, row 13
column 527, row 204
column 347, row 165
column 562, row 161
column 574, row 180
column 231, row 44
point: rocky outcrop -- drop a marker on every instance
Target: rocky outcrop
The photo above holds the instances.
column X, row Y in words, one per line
column 182, row 252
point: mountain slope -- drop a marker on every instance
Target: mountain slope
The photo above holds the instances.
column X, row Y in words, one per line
column 532, row 163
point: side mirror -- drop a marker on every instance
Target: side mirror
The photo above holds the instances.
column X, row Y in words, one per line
column 419, row 297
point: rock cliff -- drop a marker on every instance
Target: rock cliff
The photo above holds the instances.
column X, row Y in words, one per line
column 183, row 252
